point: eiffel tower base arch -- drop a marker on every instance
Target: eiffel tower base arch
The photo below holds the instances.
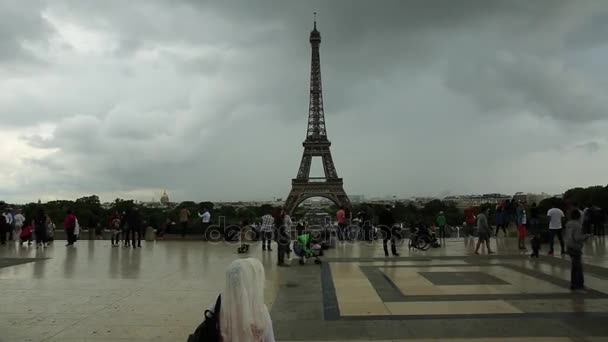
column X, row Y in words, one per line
column 302, row 190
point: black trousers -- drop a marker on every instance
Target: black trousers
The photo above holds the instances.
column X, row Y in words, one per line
column 577, row 280
column 266, row 239
column 70, row 236
column 552, row 234
column 3, row 231
column 137, row 231
column 282, row 249
column 442, row 232
column 40, row 235
column 504, row 229
column 126, row 235
column 341, row 231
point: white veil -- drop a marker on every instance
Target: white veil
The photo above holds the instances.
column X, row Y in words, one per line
column 243, row 315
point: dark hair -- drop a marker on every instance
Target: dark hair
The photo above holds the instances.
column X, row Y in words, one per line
column 575, row 214
column 69, row 211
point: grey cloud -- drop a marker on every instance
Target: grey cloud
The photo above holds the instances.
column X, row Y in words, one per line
column 512, row 82
column 209, row 99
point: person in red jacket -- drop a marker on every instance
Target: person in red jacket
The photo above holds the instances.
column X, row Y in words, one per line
column 69, row 224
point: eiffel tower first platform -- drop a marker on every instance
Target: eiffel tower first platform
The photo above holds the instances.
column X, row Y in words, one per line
column 316, row 145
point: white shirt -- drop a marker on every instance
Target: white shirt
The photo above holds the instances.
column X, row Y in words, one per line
column 19, row 219
column 206, row 217
column 8, row 218
column 556, row 215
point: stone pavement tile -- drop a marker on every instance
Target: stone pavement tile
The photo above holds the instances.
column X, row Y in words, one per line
column 562, row 305
column 99, row 330
column 297, row 311
column 588, row 326
column 493, row 339
column 320, row 330
column 29, row 332
column 450, row 307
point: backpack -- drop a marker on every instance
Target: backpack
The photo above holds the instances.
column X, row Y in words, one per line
column 209, row 329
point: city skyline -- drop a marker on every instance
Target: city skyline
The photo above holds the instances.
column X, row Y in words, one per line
column 421, row 98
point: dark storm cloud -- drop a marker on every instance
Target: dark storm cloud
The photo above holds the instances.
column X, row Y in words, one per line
column 209, row 99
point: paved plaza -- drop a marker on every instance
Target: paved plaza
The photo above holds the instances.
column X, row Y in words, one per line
column 94, row 292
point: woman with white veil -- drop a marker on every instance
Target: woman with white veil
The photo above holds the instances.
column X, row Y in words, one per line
column 243, row 315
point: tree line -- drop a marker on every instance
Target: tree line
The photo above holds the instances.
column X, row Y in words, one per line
column 90, row 212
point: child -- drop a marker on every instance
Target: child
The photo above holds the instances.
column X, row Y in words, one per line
column 26, row 234
column 535, row 242
column 575, row 239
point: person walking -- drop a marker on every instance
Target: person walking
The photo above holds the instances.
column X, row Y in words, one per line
column 69, row 224
column 469, row 219
column 501, row 219
column 184, row 217
column 40, row 228
column 575, row 239
column 483, row 231
column 387, row 223
column 522, row 221
column 18, row 221
column 205, row 221
column 441, row 222
column 266, row 229
column 556, row 215
column 341, row 218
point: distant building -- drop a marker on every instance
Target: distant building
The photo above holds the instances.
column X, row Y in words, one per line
column 530, row 198
column 164, row 199
column 469, row 201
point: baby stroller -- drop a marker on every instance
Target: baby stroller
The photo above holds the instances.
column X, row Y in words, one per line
column 306, row 247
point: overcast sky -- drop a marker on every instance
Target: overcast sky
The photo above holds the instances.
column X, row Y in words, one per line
column 209, row 99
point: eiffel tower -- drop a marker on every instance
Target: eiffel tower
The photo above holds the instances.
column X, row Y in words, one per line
column 316, row 145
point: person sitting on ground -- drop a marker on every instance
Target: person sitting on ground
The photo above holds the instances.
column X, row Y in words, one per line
column 243, row 315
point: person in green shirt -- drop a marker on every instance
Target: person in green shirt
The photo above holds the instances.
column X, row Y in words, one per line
column 441, row 222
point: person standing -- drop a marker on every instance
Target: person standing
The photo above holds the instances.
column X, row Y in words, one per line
column 387, row 222
column 135, row 226
column 50, row 230
column 534, row 218
column 441, row 222
column 266, row 228
column 556, row 215
column 469, row 220
column 575, row 239
column 483, row 231
column 5, row 223
column 341, row 218
column 18, row 220
column 184, row 217
column 288, row 224
column 283, row 238
column 205, row 221
column 40, row 228
column 69, row 224
column 521, row 225
column 115, row 229
column 501, row 220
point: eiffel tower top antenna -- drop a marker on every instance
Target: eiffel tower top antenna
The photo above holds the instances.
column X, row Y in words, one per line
column 315, row 20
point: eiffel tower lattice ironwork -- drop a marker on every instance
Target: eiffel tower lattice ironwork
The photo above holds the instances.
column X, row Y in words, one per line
column 316, row 145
